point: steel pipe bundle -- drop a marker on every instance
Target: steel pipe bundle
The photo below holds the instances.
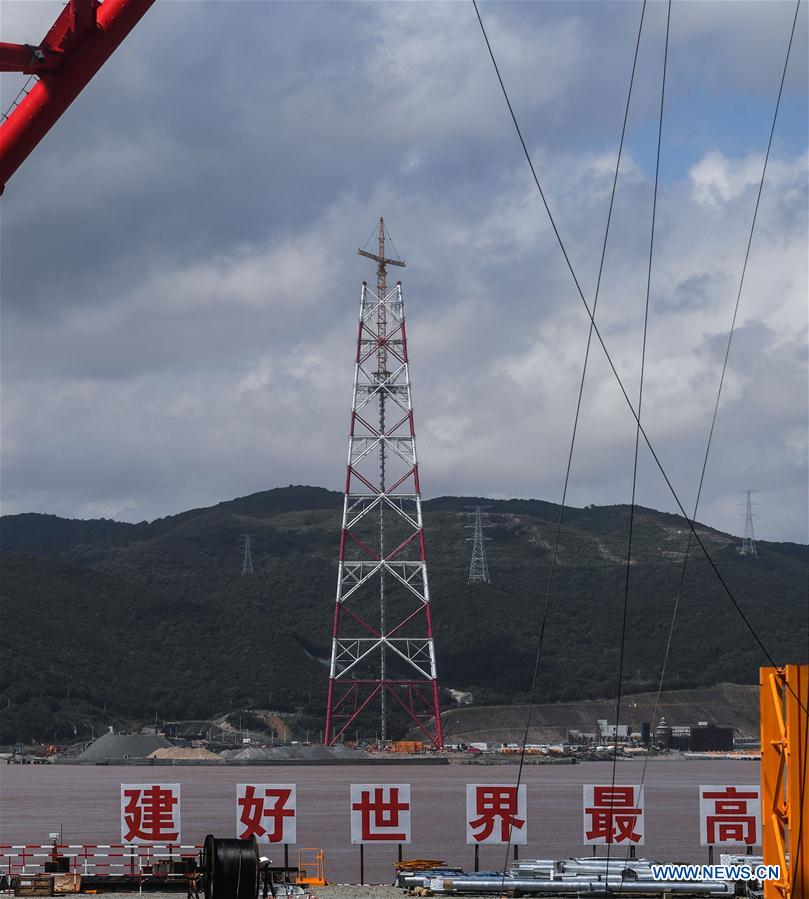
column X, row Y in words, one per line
column 580, row 886
column 589, row 876
column 535, row 867
column 627, row 869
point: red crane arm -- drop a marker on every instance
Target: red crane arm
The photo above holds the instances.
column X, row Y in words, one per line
column 80, row 41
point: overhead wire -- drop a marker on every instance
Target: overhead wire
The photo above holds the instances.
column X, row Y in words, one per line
column 555, row 552
column 693, row 535
column 611, row 363
column 728, row 344
column 628, row 573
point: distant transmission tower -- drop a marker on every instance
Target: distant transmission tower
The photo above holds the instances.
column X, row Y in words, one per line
column 748, row 547
column 382, row 643
column 247, row 560
column 478, row 567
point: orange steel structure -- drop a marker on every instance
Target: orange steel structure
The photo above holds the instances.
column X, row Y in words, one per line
column 784, row 696
column 80, row 41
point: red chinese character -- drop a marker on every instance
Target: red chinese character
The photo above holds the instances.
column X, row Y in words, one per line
column 255, row 808
column 492, row 803
column 730, row 822
column 385, row 814
column 149, row 815
column 613, row 815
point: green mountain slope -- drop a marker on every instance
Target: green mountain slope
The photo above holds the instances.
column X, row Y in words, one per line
column 107, row 622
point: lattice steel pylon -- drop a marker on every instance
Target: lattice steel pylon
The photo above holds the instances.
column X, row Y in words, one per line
column 748, row 547
column 382, row 642
column 247, row 558
column 478, row 566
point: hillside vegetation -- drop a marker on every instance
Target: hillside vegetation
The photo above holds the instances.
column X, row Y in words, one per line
column 106, row 623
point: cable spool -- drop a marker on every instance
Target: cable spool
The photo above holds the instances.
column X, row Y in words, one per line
column 231, row 868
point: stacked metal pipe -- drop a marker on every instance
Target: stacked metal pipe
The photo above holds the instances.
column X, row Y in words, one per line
column 589, row 876
column 580, row 886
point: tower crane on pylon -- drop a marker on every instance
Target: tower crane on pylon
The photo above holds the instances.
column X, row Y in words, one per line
column 80, row 41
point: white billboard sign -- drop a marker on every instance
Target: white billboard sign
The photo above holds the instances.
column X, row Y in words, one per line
column 267, row 812
column 380, row 813
column 496, row 813
column 730, row 815
column 150, row 813
column 613, row 814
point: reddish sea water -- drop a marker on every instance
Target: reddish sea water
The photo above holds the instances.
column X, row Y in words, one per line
column 84, row 802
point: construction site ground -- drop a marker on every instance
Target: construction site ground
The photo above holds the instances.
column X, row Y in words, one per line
column 333, row 891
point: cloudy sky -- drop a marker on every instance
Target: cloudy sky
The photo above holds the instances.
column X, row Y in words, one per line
column 180, row 279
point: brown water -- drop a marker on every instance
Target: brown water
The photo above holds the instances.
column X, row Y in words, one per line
column 84, row 802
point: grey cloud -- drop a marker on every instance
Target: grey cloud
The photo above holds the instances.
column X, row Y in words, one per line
column 179, row 282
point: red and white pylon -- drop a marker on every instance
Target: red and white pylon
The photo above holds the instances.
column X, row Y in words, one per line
column 382, row 646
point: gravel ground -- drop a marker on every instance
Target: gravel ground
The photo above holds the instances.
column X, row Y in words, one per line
column 333, row 891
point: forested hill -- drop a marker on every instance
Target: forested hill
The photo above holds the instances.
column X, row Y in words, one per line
column 106, row 622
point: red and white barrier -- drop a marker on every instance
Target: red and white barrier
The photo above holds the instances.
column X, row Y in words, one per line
column 93, row 859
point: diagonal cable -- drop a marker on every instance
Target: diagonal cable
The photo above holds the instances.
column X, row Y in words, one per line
column 608, row 357
column 719, row 389
column 637, row 429
column 578, row 408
